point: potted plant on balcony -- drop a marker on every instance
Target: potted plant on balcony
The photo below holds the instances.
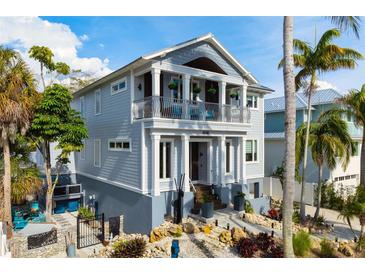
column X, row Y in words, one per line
column 172, row 85
column 212, row 90
column 239, row 201
column 207, row 206
column 196, row 90
column 233, row 94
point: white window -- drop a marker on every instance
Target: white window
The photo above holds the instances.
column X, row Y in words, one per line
column 229, row 156
column 252, row 101
column 83, row 151
column 97, row 102
column 97, row 152
column 82, row 106
column 251, row 151
column 119, row 86
column 166, row 148
column 120, row 144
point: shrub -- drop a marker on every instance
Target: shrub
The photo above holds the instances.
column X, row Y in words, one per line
column 296, row 217
column 264, row 242
column 320, row 221
column 276, row 251
column 134, row 248
column 248, row 207
column 246, row 248
column 301, row 243
column 327, row 249
column 86, row 213
column 330, row 198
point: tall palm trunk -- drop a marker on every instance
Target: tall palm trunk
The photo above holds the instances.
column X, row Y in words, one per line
column 7, row 188
column 319, row 191
column 48, row 171
column 290, row 112
column 362, row 163
column 305, row 158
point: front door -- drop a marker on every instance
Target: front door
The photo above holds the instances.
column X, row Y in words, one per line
column 194, row 161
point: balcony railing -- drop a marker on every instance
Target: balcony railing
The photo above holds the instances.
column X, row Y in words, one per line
column 164, row 107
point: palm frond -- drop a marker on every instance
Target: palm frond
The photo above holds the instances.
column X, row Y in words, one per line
column 347, row 23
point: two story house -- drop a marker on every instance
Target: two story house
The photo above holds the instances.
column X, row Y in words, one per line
column 189, row 109
column 322, row 100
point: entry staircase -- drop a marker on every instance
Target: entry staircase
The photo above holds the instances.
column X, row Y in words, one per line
column 205, row 190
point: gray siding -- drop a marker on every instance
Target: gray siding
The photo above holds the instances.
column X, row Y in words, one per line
column 114, row 121
column 197, row 50
column 254, row 170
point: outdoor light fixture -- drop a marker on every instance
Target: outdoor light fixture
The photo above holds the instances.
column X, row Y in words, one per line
column 227, row 226
column 216, row 222
column 272, row 233
column 139, row 86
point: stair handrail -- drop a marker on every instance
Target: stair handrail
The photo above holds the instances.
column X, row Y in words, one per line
column 192, row 185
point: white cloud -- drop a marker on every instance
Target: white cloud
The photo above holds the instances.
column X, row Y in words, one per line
column 84, row 37
column 325, row 85
column 21, row 33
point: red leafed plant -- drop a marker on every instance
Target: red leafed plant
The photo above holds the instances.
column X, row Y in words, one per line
column 246, row 248
column 273, row 213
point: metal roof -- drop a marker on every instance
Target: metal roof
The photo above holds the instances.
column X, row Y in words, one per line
column 274, row 135
column 320, row 97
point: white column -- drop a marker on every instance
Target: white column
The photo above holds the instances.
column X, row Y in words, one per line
column 243, row 99
column 155, row 81
column 222, row 159
column 222, row 98
column 156, row 103
column 185, row 160
column 186, row 94
column 155, row 164
column 242, row 153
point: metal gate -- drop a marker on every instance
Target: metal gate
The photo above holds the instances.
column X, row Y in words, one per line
column 90, row 232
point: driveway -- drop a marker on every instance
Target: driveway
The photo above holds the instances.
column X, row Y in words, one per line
column 341, row 229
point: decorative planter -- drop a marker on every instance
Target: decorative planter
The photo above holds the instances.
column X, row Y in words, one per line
column 238, row 203
column 71, row 251
column 208, row 210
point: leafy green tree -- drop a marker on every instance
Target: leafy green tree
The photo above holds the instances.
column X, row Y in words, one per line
column 17, row 100
column 354, row 103
column 44, row 56
column 323, row 57
column 56, row 121
column 329, row 141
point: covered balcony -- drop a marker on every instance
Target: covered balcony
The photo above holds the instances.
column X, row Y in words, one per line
column 190, row 93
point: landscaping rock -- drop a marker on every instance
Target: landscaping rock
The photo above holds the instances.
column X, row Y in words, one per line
column 157, row 234
column 189, row 228
column 345, row 250
column 237, row 233
column 225, row 237
column 175, row 230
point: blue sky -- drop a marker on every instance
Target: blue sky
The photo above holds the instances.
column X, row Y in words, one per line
column 255, row 41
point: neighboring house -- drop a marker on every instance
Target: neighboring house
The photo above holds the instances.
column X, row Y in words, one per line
column 322, row 100
column 144, row 132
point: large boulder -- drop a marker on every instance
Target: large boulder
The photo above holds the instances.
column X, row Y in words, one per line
column 345, row 250
column 158, row 234
column 189, row 228
column 225, row 237
column 237, row 233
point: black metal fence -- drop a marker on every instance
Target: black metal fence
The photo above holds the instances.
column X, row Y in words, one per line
column 90, row 231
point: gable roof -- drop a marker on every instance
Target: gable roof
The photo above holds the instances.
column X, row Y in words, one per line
column 320, row 97
column 253, row 82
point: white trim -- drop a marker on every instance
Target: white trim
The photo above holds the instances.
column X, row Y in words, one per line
column 110, row 182
column 95, row 141
column 253, row 150
column 143, row 160
column 172, row 159
column 83, row 151
column 124, row 79
column 96, row 94
column 231, row 153
column 255, row 98
column 122, row 140
column 132, row 90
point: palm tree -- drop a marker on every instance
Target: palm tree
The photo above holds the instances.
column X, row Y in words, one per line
column 329, row 141
column 354, row 102
column 355, row 208
column 347, row 23
column 290, row 112
column 17, row 94
column 324, row 57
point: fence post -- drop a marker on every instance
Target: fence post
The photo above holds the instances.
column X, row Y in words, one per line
column 78, row 232
column 102, row 227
